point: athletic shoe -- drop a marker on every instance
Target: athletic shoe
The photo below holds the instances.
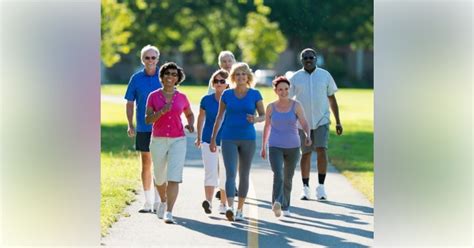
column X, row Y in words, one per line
column 147, row 208
column 239, row 215
column 161, row 210
column 156, row 205
column 207, row 206
column 169, row 218
column 222, row 208
column 321, row 193
column 286, row 213
column 277, row 209
column 305, row 194
column 229, row 213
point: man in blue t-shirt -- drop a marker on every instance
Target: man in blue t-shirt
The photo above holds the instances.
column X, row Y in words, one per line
column 141, row 84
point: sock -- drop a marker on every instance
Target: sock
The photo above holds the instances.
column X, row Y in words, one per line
column 157, row 196
column 149, row 196
column 321, row 178
column 306, row 182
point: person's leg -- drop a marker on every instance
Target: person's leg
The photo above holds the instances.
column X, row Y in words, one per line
column 321, row 144
column 222, row 179
column 291, row 159
column 176, row 157
column 229, row 153
column 276, row 162
column 210, row 161
column 159, row 148
column 305, row 162
column 246, row 152
column 322, row 161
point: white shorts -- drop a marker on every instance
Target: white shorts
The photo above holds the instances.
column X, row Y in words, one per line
column 214, row 170
column 168, row 155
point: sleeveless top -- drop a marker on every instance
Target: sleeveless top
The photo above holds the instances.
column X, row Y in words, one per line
column 284, row 130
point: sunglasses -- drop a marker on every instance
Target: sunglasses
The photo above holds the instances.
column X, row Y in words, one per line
column 308, row 57
column 219, row 81
column 174, row 74
column 148, row 58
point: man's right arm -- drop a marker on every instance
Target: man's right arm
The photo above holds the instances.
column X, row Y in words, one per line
column 129, row 111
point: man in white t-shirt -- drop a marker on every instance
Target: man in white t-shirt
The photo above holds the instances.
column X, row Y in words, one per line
column 314, row 88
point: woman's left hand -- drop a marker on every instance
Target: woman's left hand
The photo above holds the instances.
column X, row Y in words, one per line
column 190, row 128
column 251, row 118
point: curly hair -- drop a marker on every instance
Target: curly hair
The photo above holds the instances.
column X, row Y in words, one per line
column 172, row 65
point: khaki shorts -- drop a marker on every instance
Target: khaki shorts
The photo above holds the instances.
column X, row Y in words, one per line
column 168, row 155
column 319, row 138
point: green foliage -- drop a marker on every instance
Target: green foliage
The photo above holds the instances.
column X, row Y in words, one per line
column 116, row 18
column 261, row 41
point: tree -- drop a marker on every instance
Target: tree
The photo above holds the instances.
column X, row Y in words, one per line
column 261, row 41
column 116, row 18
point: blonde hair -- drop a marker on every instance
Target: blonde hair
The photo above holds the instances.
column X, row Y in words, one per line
column 241, row 66
column 148, row 48
column 223, row 73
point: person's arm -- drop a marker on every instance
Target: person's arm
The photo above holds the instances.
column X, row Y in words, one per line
column 190, row 117
column 129, row 110
column 304, row 124
column 260, row 111
column 335, row 111
column 266, row 131
column 200, row 122
column 217, row 125
column 151, row 116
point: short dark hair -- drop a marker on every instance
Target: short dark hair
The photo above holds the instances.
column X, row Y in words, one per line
column 278, row 80
column 173, row 65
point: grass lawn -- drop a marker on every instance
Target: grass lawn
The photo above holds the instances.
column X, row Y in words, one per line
column 120, row 167
column 351, row 153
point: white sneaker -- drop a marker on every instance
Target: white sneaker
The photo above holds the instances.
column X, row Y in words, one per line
column 169, row 218
column 156, row 205
column 239, row 215
column 161, row 210
column 229, row 213
column 276, row 209
column 207, row 206
column 305, row 194
column 286, row 213
column 147, row 208
column 222, row 208
column 321, row 193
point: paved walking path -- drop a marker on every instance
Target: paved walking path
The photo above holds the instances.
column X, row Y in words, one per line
column 346, row 220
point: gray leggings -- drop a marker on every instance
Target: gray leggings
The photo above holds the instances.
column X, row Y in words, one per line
column 237, row 152
column 283, row 162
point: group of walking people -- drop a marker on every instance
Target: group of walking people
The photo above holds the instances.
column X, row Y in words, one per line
column 296, row 124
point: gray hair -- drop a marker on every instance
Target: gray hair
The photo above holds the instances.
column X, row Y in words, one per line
column 225, row 54
column 148, row 48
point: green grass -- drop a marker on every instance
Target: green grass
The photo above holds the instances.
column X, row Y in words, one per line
column 120, row 166
column 351, row 153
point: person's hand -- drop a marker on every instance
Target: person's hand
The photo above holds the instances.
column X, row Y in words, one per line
column 131, row 131
column 251, row 118
column 307, row 141
column 166, row 108
column 213, row 146
column 338, row 129
column 197, row 143
column 190, row 128
column 263, row 153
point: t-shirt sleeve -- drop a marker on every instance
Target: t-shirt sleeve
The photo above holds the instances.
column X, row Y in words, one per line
column 225, row 96
column 130, row 93
column 186, row 102
column 149, row 101
column 202, row 105
column 258, row 96
column 332, row 88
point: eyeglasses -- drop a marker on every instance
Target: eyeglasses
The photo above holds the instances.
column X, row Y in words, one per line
column 148, row 58
column 219, row 81
column 173, row 74
column 308, row 57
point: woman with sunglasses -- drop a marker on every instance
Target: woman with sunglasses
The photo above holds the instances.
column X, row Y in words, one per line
column 168, row 143
column 238, row 133
column 281, row 134
column 214, row 170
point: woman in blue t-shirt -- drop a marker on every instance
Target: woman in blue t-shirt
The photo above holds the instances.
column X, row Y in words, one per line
column 238, row 133
column 281, row 135
column 214, row 171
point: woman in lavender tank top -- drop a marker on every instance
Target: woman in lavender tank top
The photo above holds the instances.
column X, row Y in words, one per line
column 281, row 135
